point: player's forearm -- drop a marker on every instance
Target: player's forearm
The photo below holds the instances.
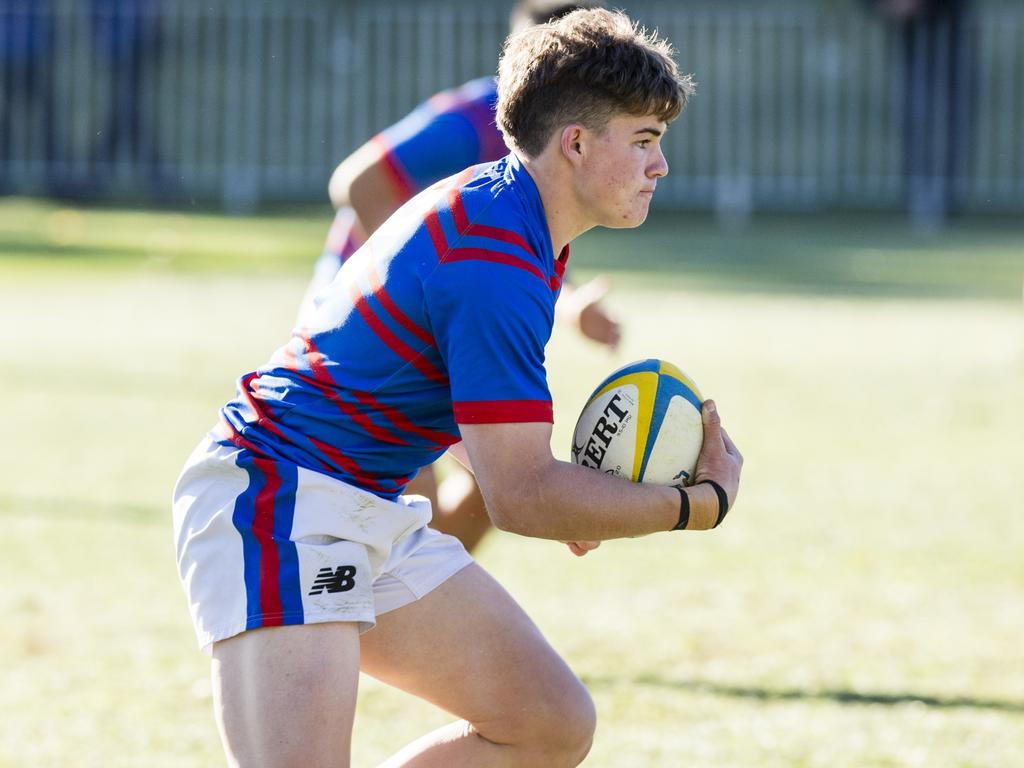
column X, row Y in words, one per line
column 567, row 502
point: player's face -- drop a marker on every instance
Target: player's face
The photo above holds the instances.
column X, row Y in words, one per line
column 618, row 179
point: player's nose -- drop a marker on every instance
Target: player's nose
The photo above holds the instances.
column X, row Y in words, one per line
column 659, row 165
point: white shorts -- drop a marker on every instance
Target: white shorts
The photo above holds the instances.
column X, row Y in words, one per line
column 264, row 543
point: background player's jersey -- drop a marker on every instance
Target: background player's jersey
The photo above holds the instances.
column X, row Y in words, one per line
column 450, row 131
column 440, row 319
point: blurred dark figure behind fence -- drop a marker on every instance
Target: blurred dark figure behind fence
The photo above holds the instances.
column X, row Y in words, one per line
column 27, row 101
column 937, row 102
column 126, row 35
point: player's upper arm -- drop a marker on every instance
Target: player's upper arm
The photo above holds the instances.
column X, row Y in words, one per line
column 491, row 321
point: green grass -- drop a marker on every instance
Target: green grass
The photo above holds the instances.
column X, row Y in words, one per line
column 862, row 606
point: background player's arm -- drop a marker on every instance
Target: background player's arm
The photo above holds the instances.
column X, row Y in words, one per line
column 580, row 307
column 362, row 182
column 531, row 493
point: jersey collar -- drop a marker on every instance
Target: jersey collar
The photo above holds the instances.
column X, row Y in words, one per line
column 526, row 190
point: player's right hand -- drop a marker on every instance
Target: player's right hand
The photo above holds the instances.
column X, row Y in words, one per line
column 580, row 548
column 720, row 459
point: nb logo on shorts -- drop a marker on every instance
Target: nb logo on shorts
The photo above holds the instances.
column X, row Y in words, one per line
column 331, row 580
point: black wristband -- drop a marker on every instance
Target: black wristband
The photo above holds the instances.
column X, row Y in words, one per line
column 684, row 510
column 723, row 501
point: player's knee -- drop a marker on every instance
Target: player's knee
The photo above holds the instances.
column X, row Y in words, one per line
column 579, row 725
column 563, row 731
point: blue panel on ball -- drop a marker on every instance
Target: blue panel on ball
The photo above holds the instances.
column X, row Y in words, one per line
column 650, row 365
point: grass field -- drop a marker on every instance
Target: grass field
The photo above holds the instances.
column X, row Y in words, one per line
column 863, row 606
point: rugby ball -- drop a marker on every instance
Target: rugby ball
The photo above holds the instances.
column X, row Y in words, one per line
column 642, row 423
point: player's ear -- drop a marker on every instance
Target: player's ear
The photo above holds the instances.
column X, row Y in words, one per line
column 572, row 141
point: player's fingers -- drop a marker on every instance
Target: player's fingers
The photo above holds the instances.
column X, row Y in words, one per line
column 712, row 423
column 580, row 548
column 730, row 446
column 612, row 334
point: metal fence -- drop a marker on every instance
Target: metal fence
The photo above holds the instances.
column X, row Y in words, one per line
column 800, row 104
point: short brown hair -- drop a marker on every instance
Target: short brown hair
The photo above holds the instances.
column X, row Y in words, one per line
column 586, row 67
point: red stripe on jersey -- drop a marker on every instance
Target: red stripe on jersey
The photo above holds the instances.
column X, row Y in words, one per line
column 458, row 209
column 263, row 530
column 400, row 183
column 232, row 434
column 352, row 469
column 560, row 262
column 501, row 235
column 399, row 419
column 503, row 411
column 465, row 227
column 479, row 254
column 322, row 381
column 395, row 344
column 399, row 316
column 346, row 464
column 261, row 417
column 433, row 222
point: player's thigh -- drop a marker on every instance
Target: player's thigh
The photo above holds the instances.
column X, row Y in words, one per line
column 286, row 696
column 424, row 484
column 470, row 649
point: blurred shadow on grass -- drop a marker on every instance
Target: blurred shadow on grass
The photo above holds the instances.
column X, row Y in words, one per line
column 57, row 508
column 14, row 246
column 796, row 694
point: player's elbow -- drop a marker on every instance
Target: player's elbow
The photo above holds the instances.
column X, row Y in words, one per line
column 339, row 187
column 353, row 180
column 518, row 509
column 507, row 516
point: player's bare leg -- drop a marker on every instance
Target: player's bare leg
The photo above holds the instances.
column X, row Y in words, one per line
column 425, row 484
column 471, row 650
column 460, row 509
column 458, row 505
column 286, row 696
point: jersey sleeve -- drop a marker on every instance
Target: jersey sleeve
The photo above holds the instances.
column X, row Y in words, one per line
column 491, row 322
column 427, row 146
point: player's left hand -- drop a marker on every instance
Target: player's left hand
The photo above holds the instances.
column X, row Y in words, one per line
column 581, row 307
column 580, row 548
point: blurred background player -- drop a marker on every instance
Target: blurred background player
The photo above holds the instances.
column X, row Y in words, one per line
column 938, row 66
column 449, row 132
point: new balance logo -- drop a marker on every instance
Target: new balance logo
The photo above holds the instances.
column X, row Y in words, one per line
column 331, row 580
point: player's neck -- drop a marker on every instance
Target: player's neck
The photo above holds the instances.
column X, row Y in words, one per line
column 566, row 218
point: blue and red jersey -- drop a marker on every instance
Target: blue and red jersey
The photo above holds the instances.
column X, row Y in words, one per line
column 440, row 319
column 450, row 131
